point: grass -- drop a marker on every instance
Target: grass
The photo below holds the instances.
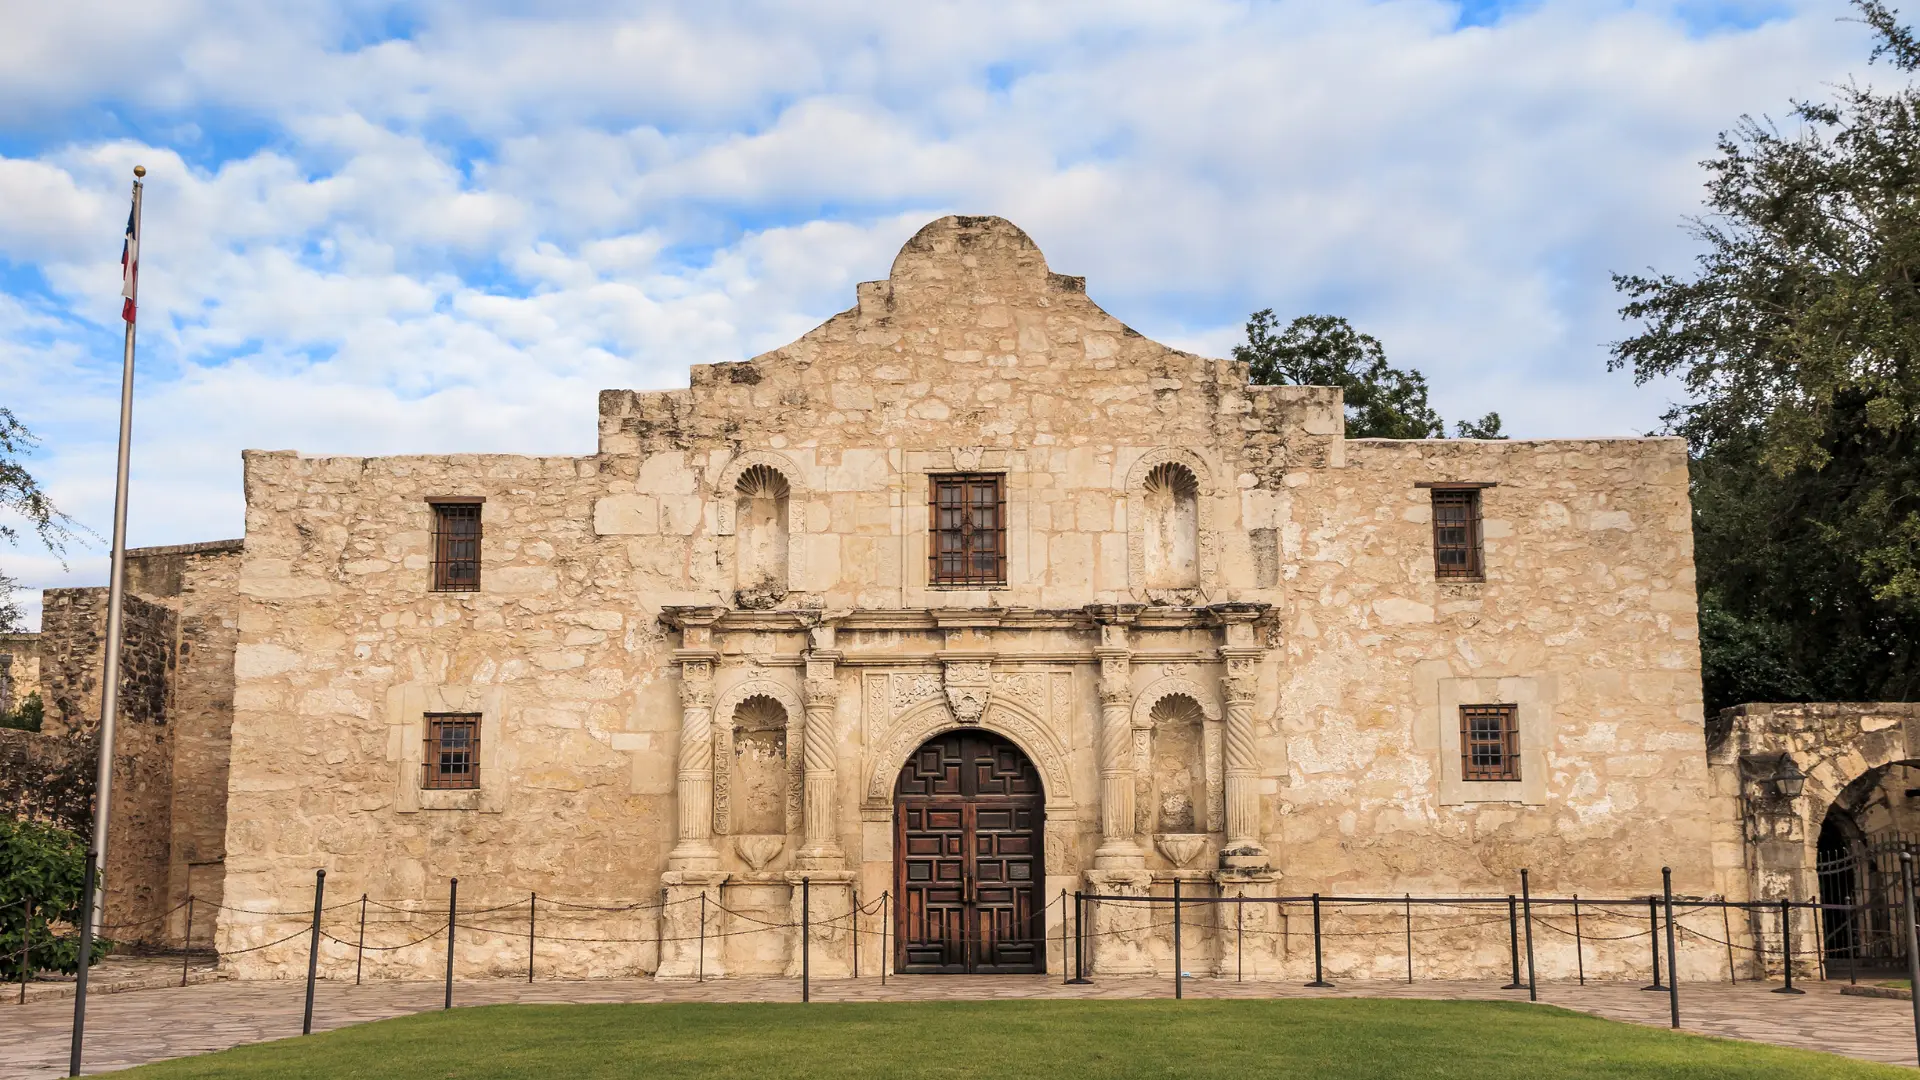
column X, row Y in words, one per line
column 1012, row 1040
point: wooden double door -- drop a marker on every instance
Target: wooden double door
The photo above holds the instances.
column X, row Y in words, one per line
column 968, row 868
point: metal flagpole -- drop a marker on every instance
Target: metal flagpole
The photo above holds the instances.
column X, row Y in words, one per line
column 94, row 901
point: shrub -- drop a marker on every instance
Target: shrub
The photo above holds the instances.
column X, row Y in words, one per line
column 45, row 865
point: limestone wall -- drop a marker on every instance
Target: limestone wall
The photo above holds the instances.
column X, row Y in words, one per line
column 1304, row 579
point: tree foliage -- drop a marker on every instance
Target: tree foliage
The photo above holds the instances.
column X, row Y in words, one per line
column 1798, row 340
column 1383, row 402
column 44, row 867
column 22, row 497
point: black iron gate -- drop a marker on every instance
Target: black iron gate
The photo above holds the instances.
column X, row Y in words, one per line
column 1862, row 879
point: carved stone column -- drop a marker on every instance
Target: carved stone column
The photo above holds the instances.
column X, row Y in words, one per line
column 1242, row 753
column 821, row 850
column 1119, row 850
column 694, row 849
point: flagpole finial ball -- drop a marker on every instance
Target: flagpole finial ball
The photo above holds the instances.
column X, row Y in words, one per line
column 139, row 170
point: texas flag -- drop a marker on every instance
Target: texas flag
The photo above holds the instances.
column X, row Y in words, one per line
column 129, row 268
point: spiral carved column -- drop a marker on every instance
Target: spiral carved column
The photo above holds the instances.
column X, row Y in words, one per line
column 1242, row 752
column 694, row 849
column 1118, row 848
column 821, row 849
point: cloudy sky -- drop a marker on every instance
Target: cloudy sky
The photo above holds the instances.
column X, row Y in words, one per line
column 410, row 227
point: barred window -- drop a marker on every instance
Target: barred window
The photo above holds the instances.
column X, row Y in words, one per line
column 456, row 546
column 1489, row 742
column 1456, row 534
column 969, row 530
column 453, row 751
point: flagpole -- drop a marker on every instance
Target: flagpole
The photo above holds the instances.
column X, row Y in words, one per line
column 93, row 902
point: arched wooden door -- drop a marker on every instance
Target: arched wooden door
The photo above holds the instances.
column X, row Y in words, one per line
column 968, row 824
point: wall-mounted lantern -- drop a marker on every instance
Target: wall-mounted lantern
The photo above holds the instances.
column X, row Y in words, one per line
column 1775, row 776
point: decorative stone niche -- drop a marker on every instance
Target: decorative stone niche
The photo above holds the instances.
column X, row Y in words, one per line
column 1179, row 766
column 761, row 501
column 1172, row 530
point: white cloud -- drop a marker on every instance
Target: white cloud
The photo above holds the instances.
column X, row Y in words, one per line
column 450, row 239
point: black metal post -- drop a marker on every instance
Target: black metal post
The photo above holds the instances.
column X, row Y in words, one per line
column 1526, row 902
column 886, row 955
column 700, row 969
column 1079, row 940
column 1319, row 978
column 1409, row 939
column 453, row 905
column 86, row 960
column 313, row 949
column 854, row 917
column 806, row 943
column 1653, row 940
column 1239, row 939
column 1673, row 949
column 1913, row 945
column 360, row 950
column 1819, row 932
column 1853, row 944
column 186, row 939
column 1786, row 945
column 1726, row 927
column 533, row 919
column 1066, row 974
column 1179, row 973
column 1579, row 954
column 1513, row 942
column 26, row 950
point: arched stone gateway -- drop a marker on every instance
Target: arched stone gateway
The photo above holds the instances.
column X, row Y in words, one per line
column 969, row 828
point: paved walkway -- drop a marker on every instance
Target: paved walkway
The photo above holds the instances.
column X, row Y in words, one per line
column 150, row 1025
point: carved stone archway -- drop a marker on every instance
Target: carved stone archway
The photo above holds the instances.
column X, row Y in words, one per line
column 930, row 718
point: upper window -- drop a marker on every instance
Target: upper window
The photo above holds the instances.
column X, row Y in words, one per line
column 969, row 530
column 1489, row 742
column 1456, row 534
column 452, row 756
column 456, row 546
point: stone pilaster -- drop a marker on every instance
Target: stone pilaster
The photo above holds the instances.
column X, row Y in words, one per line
column 829, row 923
column 821, row 849
column 1249, row 939
column 694, row 848
column 1242, row 657
column 1119, row 849
column 1122, row 932
column 681, row 942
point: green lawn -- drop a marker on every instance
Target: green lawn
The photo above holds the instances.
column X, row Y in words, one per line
column 1013, row 1040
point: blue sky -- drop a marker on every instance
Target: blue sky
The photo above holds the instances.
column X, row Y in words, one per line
column 381, row 228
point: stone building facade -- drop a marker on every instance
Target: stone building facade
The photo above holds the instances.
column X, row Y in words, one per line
column 971, row 563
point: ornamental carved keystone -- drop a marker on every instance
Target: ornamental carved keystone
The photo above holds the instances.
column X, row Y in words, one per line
column 969, row 686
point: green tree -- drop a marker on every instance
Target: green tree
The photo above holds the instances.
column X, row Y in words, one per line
column 1797, row 339
column 22, row 497
column 42, row 867
column 1383, row 402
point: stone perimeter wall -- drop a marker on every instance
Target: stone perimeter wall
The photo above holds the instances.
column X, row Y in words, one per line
column 972, row 356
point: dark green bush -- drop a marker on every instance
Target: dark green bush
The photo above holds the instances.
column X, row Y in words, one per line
column 47, row 866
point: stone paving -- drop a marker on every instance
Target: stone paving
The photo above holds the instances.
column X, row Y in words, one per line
column 150, row 1025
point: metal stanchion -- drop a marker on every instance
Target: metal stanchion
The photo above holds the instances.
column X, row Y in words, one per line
column 1853, row 944
column 1409, row 939
column 1179, row 974
column 453, row 905
column 1079, row 941
column 313, row 949
column 186, row 939
column 360, row 950
column 1513, row 943
column 1726, row 927
column 1526, row 902
column 1319, row 977
column 1673, row 949
column 1786, row 945
column 1819, row 932
column 1913, row 945
column 806, row 942
column 533, row 919
column 701, row 966
column 1579, row 954
column 1066, row 975
column 1653, row 940
column 854, row 917
column 85, row 923
column 1239, row 939
column 26, row 950
column 886, row 955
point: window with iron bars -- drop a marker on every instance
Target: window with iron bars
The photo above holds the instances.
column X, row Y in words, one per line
column 452, row 757
column 967, row 530
column 1489, row 742
column 456, row 546
column 1456, row 534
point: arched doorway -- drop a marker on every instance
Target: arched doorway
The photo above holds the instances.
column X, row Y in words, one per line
column 968, row 824
column 1866, row 827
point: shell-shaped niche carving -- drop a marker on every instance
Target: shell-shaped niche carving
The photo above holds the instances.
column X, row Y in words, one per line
column 1171, row 540
column 1179, row 765
column 758, row 776
column 761, row 499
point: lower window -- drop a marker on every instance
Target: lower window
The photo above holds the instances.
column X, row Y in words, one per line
column 1489, row 742
column 452, row 758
